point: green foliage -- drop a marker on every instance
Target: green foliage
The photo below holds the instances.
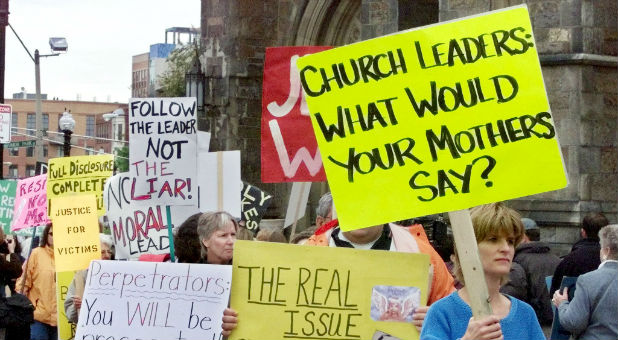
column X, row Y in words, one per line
column 122, row 159
column 179, row 62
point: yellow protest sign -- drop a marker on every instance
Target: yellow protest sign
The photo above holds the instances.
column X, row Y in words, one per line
column 325, row 293
column 76, row 232
column 434, row 119
column 66, row 329
column 80, row 175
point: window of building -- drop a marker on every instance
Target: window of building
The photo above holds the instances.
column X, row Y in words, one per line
column 103, row 131
column 45, row 122
column 90, row 126
column 60, row 152
column 30, row 170
column 29, row 151
column 45, row 151
column 14, row 120
column 14, row 151
column 31, row 124
column 13, row 171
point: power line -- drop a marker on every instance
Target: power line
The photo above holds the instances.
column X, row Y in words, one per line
column 73, row 145
column 74, row 135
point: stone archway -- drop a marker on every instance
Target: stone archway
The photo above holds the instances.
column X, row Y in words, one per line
column 329, row 22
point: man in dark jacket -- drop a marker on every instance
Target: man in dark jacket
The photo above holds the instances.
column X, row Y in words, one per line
column 534, row 256
column 584, row 256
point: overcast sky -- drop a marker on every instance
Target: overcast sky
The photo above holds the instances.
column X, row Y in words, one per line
column 102, row 36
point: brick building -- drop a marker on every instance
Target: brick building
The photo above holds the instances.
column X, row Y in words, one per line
column 21, row 162
column 140, row 79
column 578, row 45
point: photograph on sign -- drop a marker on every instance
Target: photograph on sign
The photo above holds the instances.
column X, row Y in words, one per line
column 434, row 119
column 155, row 301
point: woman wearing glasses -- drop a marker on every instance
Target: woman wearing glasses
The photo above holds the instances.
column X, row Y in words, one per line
column 38, row 283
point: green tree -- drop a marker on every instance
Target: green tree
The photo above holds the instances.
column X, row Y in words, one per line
column 179, row 62
column 122, row 159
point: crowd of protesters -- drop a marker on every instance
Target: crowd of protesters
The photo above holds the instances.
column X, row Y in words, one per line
column 514, row 260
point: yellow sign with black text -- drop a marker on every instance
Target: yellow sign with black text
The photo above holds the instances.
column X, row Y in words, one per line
column 79, row 175
column 435, row 119
column 76, row 232
column 325, row 293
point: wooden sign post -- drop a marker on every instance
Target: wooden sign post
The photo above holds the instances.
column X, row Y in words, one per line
column 470, row 262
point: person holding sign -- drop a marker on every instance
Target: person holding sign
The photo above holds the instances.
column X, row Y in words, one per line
column 592, row 312
column 498, row 231
column 38, row 283
column 217, row 233
column 394, row 237
column 73, row 301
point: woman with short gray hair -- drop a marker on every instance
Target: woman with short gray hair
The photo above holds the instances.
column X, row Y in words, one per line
column 217, row 233
column 592, row 312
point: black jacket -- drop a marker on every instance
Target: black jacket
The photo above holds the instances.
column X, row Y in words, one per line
column 538, row 262
column 584, row 257
column 9, row 270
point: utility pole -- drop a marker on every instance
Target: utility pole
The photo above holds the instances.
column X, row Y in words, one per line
column 4, row 20
column 38, row 110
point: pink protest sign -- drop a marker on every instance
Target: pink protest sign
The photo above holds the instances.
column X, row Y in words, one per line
column 30, row 203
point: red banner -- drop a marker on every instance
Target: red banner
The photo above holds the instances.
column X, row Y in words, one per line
column 289, row 149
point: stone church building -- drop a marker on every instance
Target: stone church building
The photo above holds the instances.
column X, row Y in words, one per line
column 577, row 41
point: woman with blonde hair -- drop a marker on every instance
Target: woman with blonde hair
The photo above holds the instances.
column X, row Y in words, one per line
column 498, row 231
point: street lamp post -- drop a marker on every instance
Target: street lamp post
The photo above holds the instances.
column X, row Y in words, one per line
column 56, row 45
column 66, row 123
column 194, row 87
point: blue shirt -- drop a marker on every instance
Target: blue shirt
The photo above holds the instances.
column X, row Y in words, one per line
column 447, row 319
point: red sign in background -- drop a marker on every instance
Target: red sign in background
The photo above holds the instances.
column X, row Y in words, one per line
column 289, row 149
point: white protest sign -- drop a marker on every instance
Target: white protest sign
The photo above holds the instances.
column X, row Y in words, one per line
column 219, row 181
column 163, row 134
column 6, row 111
column 298, row 202
column 152, row 300
column 139, row 229
column 203, row 141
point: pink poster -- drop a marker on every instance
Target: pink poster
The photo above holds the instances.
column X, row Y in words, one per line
column 30, row 203
column 289, row 149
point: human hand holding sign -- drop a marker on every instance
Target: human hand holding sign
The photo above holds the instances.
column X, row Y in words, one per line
column 230, row 321
column 486, row 328
column 419, row 316
column 559, row 298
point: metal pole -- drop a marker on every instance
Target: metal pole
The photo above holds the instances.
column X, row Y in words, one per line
column 67, row 143
column 38, row 109
column 4, row 20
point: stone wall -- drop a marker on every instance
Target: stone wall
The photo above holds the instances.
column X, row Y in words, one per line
column 577, row 43
column 576, row 40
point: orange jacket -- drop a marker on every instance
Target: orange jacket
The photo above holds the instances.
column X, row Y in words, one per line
column 41, row 284
column 441, row 280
